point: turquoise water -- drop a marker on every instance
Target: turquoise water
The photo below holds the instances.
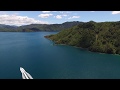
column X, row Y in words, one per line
column 43, row 60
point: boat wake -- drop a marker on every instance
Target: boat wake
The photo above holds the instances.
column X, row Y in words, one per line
column 25, row 75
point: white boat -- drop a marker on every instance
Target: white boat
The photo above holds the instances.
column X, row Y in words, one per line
column 25, row 75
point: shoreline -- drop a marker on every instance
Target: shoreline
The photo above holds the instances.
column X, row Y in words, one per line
column 87, row 49
column 79, row 47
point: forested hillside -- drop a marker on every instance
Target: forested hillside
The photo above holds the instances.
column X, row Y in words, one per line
column 101, row 37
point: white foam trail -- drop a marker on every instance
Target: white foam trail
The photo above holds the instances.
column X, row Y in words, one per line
column 25, row 75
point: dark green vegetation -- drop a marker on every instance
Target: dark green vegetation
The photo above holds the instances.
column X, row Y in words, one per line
column 38, row 27
column 101, row 37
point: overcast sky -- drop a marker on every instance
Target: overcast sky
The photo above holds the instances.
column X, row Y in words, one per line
column 55, row 17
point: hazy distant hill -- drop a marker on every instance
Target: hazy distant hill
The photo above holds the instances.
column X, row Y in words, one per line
column 38, row 27
column 7, row 28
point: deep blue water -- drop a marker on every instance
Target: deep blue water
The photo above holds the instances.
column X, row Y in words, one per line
column 43, row 60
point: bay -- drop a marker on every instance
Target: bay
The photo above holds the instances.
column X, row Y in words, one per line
column 44, row 60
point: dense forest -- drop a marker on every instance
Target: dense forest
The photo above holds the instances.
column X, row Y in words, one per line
column 101, row 37
column 38, row 27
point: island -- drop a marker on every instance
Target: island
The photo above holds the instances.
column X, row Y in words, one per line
column 103, row 37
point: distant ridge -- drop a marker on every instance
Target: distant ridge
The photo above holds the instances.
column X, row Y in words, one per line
column 38, row 27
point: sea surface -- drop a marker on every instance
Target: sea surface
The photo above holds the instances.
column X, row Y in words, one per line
column 44, row 60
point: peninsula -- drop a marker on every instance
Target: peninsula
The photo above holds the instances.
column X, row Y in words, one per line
column 101, row 37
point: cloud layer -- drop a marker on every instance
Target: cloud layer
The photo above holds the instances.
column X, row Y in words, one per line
column 46, row 11
column 58, row 17
column 19, row 20
column 44, row 15
column 73, row 17
column 115, row 12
